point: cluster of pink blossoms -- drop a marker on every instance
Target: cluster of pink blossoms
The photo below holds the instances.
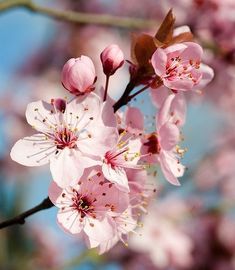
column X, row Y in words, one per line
column 98, row 157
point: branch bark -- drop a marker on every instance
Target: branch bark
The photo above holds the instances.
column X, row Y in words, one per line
column 20, row 219
column 78, row 17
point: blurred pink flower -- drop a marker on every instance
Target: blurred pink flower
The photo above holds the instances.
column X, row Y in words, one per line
column 163, row 239
column 78, row 75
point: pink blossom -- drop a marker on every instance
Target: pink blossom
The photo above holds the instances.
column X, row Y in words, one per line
column 124, row 154
column 89, row 206
column 162, row 239
column 69, row 140
column 163, row 144
column 78, row 75
column 112, row 58
column 179, row 66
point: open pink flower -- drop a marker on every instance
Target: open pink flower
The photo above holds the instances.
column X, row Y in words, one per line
column 163, row 144
column 68, row 139
column 89, row 206
column 78, row 75
column 124, row 154
column 179, row 66
column 163, row 239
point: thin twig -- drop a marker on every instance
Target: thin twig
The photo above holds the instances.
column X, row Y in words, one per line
column 20, row 219
column 79, row 17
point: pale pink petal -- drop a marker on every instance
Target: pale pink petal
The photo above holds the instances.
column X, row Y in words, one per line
column 39, row 116
column 178, row 84
column 65, row 73
column 100, row 140
column 163, row 115
column 207, row 76
column 113, row 196
column 159, row 61
column 83, row 111
column 30, row 153
column 69, row 220
column 116, row 175
column 134, row 119
column 159, row 95
column 81, row 76
column 168, row 136
column 176, row 49
column 108, row 114
column 178, row 109
column 106, row 246
column 193, row 51
column 54, row 192
column 171, row 167
column 66, row 168
column 100, row 231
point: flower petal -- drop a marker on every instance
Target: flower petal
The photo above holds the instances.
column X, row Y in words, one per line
column 168, row 136
column 100, row 231
column 159, row 95
column 100, row 140
column 116, row 175
column 134, row 120
column 159, row 61
column 40, row 115
column 171, row 167
column 69, row 220
column 66, row 168
column 33, row 151
column 178, row 109
column 163, row 115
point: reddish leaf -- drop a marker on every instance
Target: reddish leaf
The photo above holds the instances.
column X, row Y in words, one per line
column 165, row 31
column 142, row 49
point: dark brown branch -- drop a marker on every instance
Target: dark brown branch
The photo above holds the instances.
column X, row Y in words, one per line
column 20, row 219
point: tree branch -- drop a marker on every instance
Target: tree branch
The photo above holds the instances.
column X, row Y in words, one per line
column 20, row 219
column 78, row 17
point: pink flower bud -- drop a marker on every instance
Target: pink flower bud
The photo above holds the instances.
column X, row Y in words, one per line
column 112, row 58
column 78, row 75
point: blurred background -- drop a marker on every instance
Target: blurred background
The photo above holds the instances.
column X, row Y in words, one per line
column 191, row 227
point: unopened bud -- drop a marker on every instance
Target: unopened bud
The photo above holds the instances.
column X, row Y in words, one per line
column 112, row 58
column 78, row 75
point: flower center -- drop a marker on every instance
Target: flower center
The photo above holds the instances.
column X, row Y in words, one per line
column 115, row 157
column 65, row 138
column 83, row 206
column 153, row 144
column 177, row 68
